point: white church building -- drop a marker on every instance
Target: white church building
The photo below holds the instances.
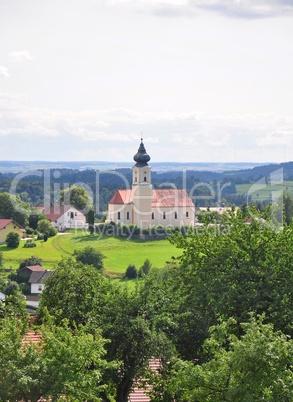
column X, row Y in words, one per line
column 143, row 206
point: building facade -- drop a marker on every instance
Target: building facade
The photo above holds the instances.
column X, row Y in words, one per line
column 143, row 206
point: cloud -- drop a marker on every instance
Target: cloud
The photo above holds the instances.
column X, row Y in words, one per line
column 231, row 8
column 4, row 72
column 21, row 56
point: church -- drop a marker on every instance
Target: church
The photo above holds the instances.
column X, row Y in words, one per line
column 143, row 206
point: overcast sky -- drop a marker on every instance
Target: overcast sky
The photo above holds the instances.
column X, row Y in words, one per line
column 203, row 80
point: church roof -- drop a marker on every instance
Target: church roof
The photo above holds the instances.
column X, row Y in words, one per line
column 141, row 157
column 167, row 198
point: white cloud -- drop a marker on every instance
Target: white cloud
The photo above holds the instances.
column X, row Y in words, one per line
column 19, row 56
column 4, row 72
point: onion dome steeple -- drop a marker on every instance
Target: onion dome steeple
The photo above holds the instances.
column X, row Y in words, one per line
column 141, row 157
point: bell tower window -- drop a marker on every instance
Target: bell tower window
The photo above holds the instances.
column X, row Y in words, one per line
column 145, row 179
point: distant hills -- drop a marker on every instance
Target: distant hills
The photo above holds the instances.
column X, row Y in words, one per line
column 164, row 170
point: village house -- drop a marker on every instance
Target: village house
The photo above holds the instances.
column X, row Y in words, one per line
column 144, row 206
column 64, row 217
column 9, row 225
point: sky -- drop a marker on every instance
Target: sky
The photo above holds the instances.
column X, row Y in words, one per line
column 200, row 80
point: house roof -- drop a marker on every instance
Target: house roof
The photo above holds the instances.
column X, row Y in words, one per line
column 139, row 394
column 167, row 198
column 36, row 268
column 53, row 212
column 39, row 276
column 4, row 222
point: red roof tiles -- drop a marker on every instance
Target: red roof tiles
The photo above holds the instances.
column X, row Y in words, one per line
column 160, row 198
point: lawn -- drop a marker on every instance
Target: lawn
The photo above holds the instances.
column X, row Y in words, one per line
column 265, row 193
column 119, row 252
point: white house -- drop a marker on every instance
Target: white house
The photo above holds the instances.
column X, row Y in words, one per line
column 64, row 216
column 37, row 280
column 2, row 296
column 145, row 207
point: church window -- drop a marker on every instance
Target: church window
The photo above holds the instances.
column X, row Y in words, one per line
column 153, row 215
column 118, row 215
column 176, row 215
column 187, row 214
column 127, row 215
column 164, row 215
column 144, row 179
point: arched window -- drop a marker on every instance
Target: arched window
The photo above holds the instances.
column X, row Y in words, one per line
column 153, row 215
column 144, row 179
column 187, row 214
column 176, row 215
column 118, row 215
column 164, row 215
column 127, row 215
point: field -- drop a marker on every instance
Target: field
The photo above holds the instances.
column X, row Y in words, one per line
column 119, row 252
column 261, row 192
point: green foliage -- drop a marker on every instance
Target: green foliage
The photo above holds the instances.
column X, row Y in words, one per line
column 91, row 220
column 131, row 272
column 145, row 268
column 31, row 261
column 10, row 288
column 1, row 259
column 76, row 196
column 29, row 244
column 12, row 239
column 11, row 207
column 90, row 256
column 62, row 364
column 45, row 227
column 255, row 366
column 35, row 218
column 82, row 295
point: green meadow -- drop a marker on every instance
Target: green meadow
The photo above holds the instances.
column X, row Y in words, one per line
column 263, row 194
column 119, row 252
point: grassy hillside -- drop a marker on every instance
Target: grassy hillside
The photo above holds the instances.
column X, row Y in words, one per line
column 119, row 252
column 265, row 193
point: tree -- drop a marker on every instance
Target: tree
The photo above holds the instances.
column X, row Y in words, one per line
column 255, row 366
column 64, row 363
column 35, row 218
column 131, row 272
column 12, row 239
column 45, row 226
column 230, row 271
column 91, row 220
column 90, row 256
column 10, row 288
column 11, row 207
column 33, row 260
column 1, row 259
column 145, row 268
column 82, row 295
column 76, row 196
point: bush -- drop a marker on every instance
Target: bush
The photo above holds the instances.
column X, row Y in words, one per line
column 33, row 260
column 145, row 269
column 131, row 272
column 12, row 239
column 29, row 244
column 29, row 230
column 90, row 256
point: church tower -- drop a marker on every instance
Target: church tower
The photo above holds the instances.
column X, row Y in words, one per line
column 141, row 188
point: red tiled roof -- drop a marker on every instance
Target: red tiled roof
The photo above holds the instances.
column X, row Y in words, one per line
column 121, row 197
column 160, row 198
column 36, row 268
column 171, row 198
column 138, row 394
column 4, row 222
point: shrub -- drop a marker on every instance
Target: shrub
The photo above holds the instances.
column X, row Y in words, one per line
column 145, row 268
column 131, row 272
column 90, row 256
column 33, row 260
column 12, row 239
column 29, row 244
